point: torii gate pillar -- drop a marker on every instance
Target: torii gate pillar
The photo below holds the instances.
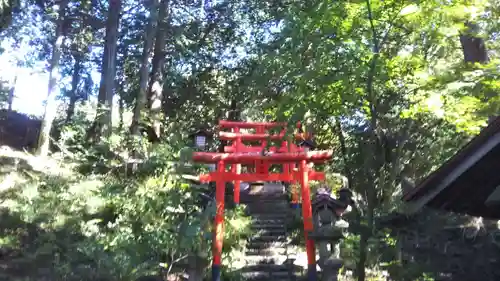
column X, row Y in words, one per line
column 308, row 221
column 220, row 190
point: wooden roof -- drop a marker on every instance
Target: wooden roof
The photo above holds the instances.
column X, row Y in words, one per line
column 467, row 183
column 202, row 131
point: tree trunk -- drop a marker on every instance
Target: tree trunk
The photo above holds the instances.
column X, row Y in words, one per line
column 234, row 112
column 473, row 47
column 10, row 98
column 103, row 121
column 121, row 110
column 120, row 88
column 372, row 163
column 50, row 106
column 141, row 99
column 155, row 88
column 366, row 233
column 74, row 87
column 343, row 150
column 6, row 13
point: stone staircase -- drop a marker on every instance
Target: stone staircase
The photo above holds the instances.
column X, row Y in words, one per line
column 267, row 255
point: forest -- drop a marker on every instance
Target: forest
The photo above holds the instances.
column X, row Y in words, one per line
column 93, row 189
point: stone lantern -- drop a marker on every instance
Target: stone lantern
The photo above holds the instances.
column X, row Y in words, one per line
column 329, row 229
column 201, row 140
column 307, row 144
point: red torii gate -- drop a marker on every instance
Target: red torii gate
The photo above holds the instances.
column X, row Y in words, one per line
column 288, row 155
column 260, row 129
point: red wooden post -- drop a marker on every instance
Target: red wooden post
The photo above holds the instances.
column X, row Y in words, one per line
column 286, row 166
column 236, row 168
column 261, row 167
column 295, row 195
column 219, row 221
column 308, row 222
column 293, row 186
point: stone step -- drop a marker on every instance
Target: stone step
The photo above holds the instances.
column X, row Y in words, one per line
column 280, row 203
column 251, row 199
column 259, row 244
column 265, row 259
column 267, row 239
column 264, row 223
column 258, row 211
column 268, row 233
column 274, row 214
column 276, row 208
column 267, row 276
column 264, row 250
column 267, row 216
column 266, row 267
column 268, row 197
column 259, row 192
column 270, row 276
column 268, row 224
column 259, row 224
column 260, row 231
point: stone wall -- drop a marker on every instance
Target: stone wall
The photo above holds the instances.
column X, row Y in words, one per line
column 450, row 247
column 18, row 130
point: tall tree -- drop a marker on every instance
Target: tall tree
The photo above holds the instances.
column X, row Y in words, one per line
column 50, row 106
column 155, row 88
column 6, row 12
column 473, row 46
column 75, row 81
column 12, row 91
column 141, row 99
column 103, row 122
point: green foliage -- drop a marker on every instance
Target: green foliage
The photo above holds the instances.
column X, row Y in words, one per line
column 108, row 226
column 384, row 84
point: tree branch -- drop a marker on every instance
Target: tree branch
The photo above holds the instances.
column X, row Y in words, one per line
column 372, row 27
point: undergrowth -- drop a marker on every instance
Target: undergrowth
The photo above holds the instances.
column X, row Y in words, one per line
column 67, row 218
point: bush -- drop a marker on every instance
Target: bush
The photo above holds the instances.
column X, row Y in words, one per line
column 107, row 226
